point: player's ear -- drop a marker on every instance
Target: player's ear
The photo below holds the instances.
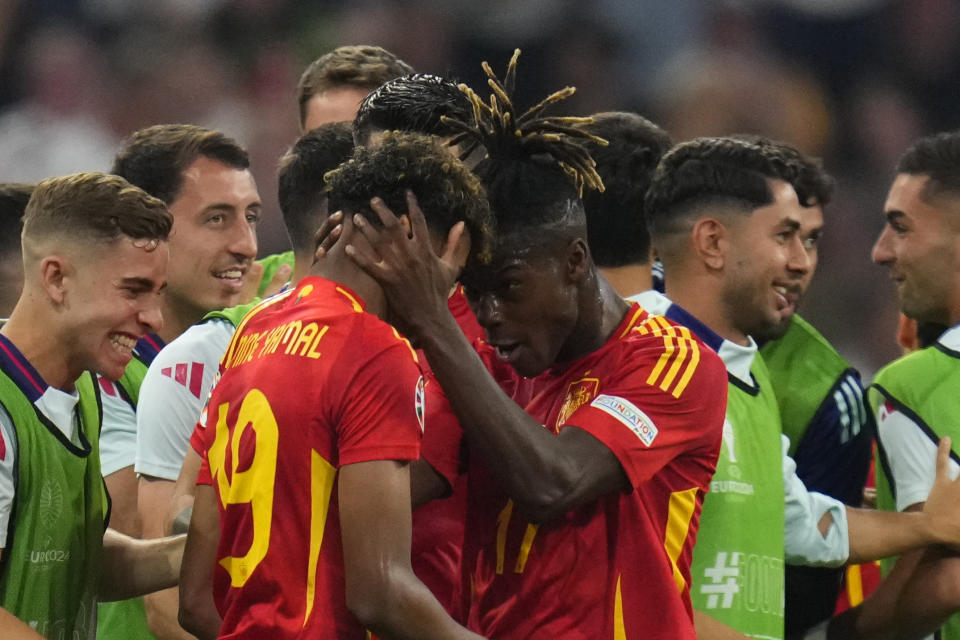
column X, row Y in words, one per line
column 710, row 241
column 55, row 270
column 578, row 260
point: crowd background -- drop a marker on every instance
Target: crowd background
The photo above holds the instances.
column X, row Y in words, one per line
column 852, row 81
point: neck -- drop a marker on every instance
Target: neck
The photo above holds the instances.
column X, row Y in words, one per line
column 630, row 279
column 301, row 267
column 39, row 344
column 601, row 312
column 339, row 268
column 177, row 318
column 703, row 298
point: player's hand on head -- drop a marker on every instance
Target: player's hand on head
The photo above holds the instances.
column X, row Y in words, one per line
column 401, row 257
column 327, row 235
column 943, row 502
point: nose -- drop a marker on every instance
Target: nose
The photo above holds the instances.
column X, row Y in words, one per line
column 882, row 252
column 799, row 259
column 243, row 242
column 488, row 311
column 150, row 315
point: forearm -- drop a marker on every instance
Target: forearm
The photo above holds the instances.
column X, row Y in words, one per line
column 16, row 629
column 878, row 534
column 407, row 610
column 710, row 629
column 530, row 462
column 913, row 600
column 133, row 567
column 162, row 610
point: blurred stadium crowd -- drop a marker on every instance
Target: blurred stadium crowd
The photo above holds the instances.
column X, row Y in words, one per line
column 853, row 81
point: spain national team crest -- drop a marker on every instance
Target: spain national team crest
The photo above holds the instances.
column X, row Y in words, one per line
column 579, row 393
column 419, row 399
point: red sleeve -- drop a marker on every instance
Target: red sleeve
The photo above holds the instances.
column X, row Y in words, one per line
column 443, row 435
column 200, row 445
column 646, row 426
column 381, row 416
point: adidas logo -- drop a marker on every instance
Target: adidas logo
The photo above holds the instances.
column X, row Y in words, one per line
column 179, row 373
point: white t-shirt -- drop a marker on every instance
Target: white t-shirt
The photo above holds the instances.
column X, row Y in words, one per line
column 910, row 450
column 58, row 407
column 803, row 543
column 172, row 396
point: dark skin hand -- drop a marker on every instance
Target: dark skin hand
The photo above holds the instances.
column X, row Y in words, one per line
column 545, row 474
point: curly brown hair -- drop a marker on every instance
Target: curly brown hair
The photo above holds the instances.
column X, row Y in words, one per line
column 446, row 190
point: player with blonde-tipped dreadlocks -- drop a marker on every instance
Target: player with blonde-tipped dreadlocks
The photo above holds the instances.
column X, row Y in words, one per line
column 593, row 426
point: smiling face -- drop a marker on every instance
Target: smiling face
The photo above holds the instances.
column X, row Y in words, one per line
column 920, row 244
column 112, row 299
column 769, row 263
column 527, row 301
column 214, row 240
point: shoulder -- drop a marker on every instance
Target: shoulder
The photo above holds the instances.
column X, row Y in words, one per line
column 201, row 341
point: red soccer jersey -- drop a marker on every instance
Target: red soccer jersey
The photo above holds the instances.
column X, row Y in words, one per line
column 618, row 567
column 310, row 383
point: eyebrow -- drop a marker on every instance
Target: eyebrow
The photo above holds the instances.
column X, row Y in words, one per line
column 223, row 206
column 791, row 223
column 894, row 214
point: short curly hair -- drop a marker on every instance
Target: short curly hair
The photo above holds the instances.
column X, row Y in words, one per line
column 357, row 66
column 731, row 172
column 445, row 189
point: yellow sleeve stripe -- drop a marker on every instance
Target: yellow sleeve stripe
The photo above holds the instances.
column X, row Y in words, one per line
column 406, row 342
column 633, row 321
column 228, row 356
column 619, row 630
column 679, row 513
column 679, row 347
column 356, row 305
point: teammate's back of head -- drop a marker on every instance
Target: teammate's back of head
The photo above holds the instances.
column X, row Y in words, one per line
column 616, row 222
column 416, row 102
column 447, row 192
column 332, row 86
column 301, row 189
column 155, row 158
column 13, row 201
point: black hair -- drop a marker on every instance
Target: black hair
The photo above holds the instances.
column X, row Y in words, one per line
column 155, row 158
column 936, row 156
column 300, row 179
column 616, row 224
column 446, row 190
column 414, row 102
column 13, row 202
column 731, row 172
column 814, row 186
column 535, row 166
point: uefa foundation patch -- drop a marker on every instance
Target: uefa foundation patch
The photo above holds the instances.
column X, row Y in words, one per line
column 629, row 414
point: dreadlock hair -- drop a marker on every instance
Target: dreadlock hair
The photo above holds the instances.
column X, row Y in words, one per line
column 360, row 67
column 446, row 190
column 300, row 177
column 155, row 158
column 536, row 166
column 416, row 102
column 936, row 156
column 730, row 173
column 13, row 202
column 616, row 224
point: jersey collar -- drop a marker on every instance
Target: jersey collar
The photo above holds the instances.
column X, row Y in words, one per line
column 951, row 338
column 737, row 358
column 19, row 369
column 148, row 347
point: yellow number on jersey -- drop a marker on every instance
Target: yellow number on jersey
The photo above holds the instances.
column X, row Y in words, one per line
column 503, row 522
column 253, row 486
